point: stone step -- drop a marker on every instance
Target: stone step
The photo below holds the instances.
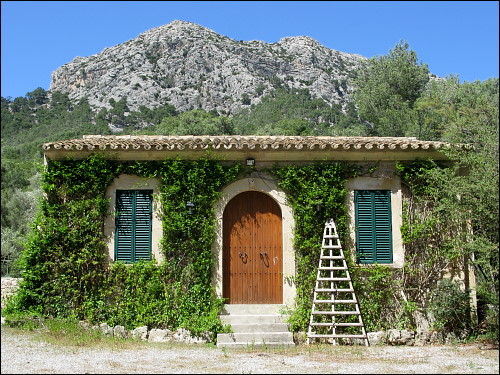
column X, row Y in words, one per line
column 255, row 339
column 254, row 325
column 259, row 327
column 248, row 309
column 252, row 319
column 278, row 344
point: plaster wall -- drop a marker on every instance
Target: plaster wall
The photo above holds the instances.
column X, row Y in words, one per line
column 379, row 183
column 132, row 182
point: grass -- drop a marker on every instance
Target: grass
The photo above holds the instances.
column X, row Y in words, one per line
column 66, row 332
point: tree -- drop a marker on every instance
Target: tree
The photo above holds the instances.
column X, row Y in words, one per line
column 294, row 112
column 386, row 89
column 37, row 97
column 195, row 122
column 468, row 113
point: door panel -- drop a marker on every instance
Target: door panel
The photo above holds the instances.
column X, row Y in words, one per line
column 252, row 250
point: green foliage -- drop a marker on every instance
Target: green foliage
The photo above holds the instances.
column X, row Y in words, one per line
column 472, row 116
column 466, row 195
column 387, row 88
column 375, row 287
column 437, row 234
column 307, row 187
column 39, row 118
column 132, row 295
column 415, row 175
column 296, row 112
column 20, row 194
column 450, row 307
column 65, row 266
column 65, row 252
column 194, row 122
column 393, row 93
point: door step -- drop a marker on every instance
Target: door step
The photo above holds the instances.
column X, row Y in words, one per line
column 254, row 325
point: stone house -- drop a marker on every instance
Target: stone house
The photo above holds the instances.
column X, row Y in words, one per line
column 253, row 209
column 256, row 190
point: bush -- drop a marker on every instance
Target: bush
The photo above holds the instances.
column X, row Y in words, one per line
column 450, row 306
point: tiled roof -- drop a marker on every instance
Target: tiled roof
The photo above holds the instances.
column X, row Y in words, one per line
column 237, row 142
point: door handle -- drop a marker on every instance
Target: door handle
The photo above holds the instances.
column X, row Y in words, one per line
column 242, row 255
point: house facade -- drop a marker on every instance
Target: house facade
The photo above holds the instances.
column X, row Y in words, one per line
column 255, row 260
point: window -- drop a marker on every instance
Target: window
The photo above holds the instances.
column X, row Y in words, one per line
column 373, row 226
column 133, row 222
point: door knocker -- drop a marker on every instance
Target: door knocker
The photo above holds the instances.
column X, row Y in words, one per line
column 265, row 258
column 243, row 256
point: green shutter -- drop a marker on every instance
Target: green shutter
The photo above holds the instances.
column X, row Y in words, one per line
column 383, row 227
column 143, row 215
column 124, row 226
column 373, row 226
column 133, row 225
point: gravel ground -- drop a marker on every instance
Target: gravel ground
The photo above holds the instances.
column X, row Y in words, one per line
column 25, row 354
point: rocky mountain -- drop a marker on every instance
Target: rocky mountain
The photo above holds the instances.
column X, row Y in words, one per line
column 191, row 67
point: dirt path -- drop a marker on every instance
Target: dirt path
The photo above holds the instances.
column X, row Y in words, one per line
column 24, row 354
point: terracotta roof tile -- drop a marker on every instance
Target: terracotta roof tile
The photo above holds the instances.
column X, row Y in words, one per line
column 150, row 142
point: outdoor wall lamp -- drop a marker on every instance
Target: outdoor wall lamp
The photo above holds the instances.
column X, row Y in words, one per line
column 189, row 206
column 250, row 162
column 319, row 206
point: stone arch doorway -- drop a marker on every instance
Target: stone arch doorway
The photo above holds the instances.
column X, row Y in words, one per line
column 266, row 184
column 252, row 250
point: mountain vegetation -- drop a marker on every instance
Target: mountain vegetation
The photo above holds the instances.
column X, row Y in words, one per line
column 390, row 95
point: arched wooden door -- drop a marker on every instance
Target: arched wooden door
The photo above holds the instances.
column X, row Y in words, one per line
column 252, row 250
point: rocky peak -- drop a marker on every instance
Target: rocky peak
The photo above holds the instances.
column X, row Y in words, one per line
column 190, row 67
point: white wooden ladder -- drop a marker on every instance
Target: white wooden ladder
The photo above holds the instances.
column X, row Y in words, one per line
column 335, row 315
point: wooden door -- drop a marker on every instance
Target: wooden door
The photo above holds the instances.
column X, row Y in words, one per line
column 252, row 250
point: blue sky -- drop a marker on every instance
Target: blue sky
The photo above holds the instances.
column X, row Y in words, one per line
column 451, row 37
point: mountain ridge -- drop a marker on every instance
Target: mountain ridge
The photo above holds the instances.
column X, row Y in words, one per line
column 192, row 67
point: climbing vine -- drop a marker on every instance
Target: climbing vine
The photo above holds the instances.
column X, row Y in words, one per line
column 316, row 193
column 435, row 234
column 67, row 272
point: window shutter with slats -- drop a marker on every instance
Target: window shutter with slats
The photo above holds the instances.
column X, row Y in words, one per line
column 133, row 225
column 373, row 226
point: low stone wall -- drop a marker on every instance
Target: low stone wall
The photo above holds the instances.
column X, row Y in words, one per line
column 9, row 287
column 154, row 335
column 395, row 337
column 410, row 338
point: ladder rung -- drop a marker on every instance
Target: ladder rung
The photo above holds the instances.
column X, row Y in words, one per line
column 332, row 268
column 335, row 301
column 333, row 279
column 331, row 247
column 337, row 324
column 331, row 257
column 330, row 236
column 335, row 312
column 339, row 336
column 335, row 290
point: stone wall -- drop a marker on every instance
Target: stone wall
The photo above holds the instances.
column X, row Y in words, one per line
column 9, row 287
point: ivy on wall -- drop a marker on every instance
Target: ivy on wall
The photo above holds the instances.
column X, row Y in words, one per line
column 67, row 274
column 316, row 193
column 435, row 234
column 66, row 270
